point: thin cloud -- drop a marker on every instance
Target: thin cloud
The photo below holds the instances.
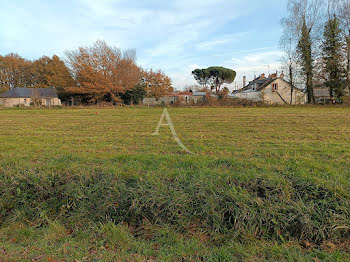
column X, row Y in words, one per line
column 169, row 35
column 222, row 40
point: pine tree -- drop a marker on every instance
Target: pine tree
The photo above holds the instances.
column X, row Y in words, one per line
column 332, row 57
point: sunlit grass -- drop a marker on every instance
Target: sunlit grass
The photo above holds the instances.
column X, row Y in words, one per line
column 260, row 177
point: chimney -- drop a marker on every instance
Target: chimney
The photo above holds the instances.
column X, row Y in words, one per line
column 262, row 76
column 282, row 75
column 244, row 81
column 274, row 76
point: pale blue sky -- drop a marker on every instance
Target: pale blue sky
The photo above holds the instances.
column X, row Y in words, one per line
column 176, row 36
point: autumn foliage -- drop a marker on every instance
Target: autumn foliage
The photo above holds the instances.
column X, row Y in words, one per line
column 102, row 72
column 156, row 83
column 53, row 72
column 16, row 71
column 96, row 74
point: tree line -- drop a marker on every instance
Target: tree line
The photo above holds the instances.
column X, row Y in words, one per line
column 316, row 40
column 89, row 75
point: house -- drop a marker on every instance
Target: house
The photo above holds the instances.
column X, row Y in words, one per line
column 199, row 97
column 182, row 98
column 271, row 90
column 29, row 96
column 152, row 101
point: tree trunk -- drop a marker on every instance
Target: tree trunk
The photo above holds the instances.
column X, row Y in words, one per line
column 348, row 62
column 305, row 49
column 291, row 80
column 309, row 87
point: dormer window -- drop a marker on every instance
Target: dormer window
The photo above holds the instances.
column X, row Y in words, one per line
column 274, row 87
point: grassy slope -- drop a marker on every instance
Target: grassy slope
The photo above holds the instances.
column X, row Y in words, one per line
column 261, row 180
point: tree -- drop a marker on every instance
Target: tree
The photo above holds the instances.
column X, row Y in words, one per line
column 45, row 72
column 35, row 96
column 303, row 24
column 290, row 59
column 220, row 76
column 215, row 76
column 102, row 72
column 332, row 48
column 157, row 84
column 15, row 71
column 223, row 94
column 305, row 52
column 202, row 76
column 52, row 72
column 135, row 95
column 344, row 19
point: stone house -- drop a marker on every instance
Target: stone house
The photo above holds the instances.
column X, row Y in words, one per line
column 199, row 97
column 182, row 98
column 27, row 96
column 152, row 101
column 271, row 90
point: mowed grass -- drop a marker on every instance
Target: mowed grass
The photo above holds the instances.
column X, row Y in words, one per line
column 264, row 184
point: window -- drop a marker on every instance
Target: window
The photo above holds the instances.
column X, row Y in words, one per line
column 274, row 87
column 25, row 100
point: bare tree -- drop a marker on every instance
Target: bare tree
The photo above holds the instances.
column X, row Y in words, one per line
column 303, row 27
column 289, row 60
column 35, row 96
column 344, row 19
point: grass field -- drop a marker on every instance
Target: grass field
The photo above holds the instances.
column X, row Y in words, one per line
column 95, row 185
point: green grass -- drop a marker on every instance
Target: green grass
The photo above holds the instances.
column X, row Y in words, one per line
column 95, row 185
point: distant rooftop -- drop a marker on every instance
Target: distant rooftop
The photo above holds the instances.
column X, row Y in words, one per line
column 20, row 92
column 199, row 93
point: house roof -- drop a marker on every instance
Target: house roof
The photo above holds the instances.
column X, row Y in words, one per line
column 20, row 92
column 268, row 82
column 181, row 94
column 261, row 84
column 199, row 93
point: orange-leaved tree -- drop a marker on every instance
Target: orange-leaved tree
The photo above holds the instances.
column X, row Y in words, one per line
column 15, row 71
column 103, row 72
column 45, row 72
column 157, row 84
column 52, row 72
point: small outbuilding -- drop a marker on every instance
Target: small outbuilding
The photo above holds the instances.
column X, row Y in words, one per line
column 30, row 96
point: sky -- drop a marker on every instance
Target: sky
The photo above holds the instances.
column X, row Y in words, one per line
column 175, row 36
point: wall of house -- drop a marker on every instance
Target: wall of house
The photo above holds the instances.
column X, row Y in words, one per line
column 283, row 94
column 253, row 96
column 166, row 100
column 11, row 102
column 198, row 99
column 51, row 102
